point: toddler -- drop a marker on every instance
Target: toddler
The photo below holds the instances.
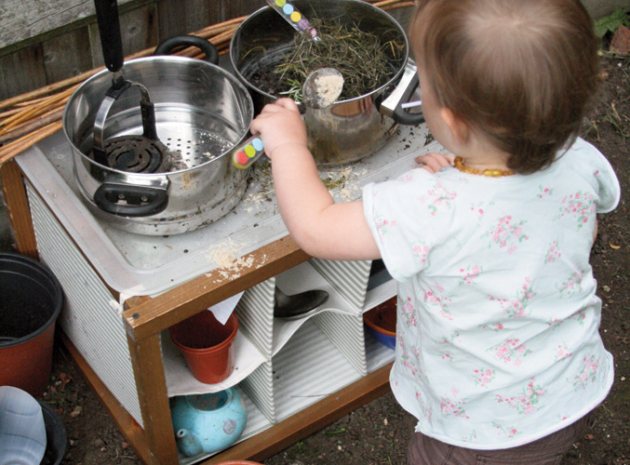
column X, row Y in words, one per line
column 498, row 353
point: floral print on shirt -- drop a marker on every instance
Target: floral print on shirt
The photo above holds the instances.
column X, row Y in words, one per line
column 408, row 312
column 544, row 192
column 579, row 205
column 422, row 252
column 511, row 351
column 573, row 284
column 588, row 373
column 383, row 225
column 507, row 234
column 470, row 273
column 517, row 307
column 483, row 376
column 553, row 253
column 438, row 297
column 507, row 431
column 526, row 402
column 438, row 198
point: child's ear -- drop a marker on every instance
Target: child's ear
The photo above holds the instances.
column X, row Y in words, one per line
column 458, row 127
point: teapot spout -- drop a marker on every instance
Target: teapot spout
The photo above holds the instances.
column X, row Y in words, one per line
column 187, row 443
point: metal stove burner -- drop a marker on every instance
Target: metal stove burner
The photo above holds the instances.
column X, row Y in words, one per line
column 137, row 154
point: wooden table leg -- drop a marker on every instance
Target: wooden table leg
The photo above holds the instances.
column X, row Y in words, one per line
column 146, row 359
column 17, row 204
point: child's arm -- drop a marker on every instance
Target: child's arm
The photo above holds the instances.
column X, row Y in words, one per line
column 319, row 226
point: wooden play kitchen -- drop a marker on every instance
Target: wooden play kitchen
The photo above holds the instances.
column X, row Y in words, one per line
column 125, row 291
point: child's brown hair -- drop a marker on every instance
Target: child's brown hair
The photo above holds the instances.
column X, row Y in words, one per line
column 519, row 71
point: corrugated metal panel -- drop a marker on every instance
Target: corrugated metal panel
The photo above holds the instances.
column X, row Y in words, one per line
column 350, row 278
column 346, row 333
column 255, row 314
column 307, row 370
column 259, row 388
column 90, row 318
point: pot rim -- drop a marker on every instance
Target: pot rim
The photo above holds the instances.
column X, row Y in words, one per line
column 43, row 273
column 156, row 58
column 390, row 82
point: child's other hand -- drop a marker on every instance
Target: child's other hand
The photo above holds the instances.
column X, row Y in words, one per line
column 280, row 124
column 434, row 162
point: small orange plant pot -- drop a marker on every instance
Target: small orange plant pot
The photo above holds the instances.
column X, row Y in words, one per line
column 206, row 345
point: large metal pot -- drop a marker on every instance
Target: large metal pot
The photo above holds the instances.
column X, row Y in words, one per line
column 201, row 111
column 152, row 139
column 349, row 129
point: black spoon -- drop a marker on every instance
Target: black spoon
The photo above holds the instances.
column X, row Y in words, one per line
column 291, row 307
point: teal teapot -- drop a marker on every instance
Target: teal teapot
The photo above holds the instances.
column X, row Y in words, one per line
column 208, row 423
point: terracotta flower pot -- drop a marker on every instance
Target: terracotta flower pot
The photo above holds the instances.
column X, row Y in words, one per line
column 31, row 303
column 206, row 345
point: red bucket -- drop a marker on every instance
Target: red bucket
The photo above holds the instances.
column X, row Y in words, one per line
column 206, row 345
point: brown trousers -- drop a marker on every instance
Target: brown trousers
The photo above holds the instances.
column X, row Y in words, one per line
column 549, row 450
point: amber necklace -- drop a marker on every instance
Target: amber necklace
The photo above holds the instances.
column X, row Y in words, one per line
column 494, row 173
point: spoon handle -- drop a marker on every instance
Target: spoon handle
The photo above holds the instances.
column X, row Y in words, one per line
column 247, row 153
column 294, row 17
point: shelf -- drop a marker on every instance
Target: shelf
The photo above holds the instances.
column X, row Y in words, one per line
column 308, row 369
column 180, row 381
column 256, row 422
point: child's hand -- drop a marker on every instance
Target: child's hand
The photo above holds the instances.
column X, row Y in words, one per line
column 434, row 162
column 280, row 124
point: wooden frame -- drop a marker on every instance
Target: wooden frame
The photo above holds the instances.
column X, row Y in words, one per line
column 145, row 318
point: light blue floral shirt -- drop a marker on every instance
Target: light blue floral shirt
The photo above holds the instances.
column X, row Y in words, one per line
column 497, row 334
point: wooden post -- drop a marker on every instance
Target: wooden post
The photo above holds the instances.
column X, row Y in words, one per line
column 17, row 206
column 146, row 359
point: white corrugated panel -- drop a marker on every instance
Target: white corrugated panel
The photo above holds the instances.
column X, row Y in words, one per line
column 255, row 315
column 90, row 318
column 259, row 388
column 350, row 278
column 346, row 333
column 308, row 369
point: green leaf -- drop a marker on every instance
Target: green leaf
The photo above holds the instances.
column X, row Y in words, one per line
column 611, row 22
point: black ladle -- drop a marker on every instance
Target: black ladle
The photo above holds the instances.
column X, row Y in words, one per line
column 291, row 307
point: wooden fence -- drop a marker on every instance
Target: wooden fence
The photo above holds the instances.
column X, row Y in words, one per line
column 75, row 47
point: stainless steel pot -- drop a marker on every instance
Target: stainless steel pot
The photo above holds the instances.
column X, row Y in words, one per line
column 349, row 129
column 191, row 112
column 201, row 111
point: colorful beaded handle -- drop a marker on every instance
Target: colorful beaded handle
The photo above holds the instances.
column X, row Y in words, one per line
column 294, row 17
column 248, row 153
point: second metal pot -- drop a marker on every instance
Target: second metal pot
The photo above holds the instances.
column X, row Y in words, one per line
column 349, row 129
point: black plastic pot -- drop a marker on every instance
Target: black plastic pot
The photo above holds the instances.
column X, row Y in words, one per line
column 57, row 439
column 31, row 302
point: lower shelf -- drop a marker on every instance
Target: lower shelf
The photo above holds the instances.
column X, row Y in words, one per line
column 308, row 370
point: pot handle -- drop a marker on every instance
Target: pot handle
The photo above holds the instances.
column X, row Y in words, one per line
column 393, row 105
column 130, row 200
column 167, row 46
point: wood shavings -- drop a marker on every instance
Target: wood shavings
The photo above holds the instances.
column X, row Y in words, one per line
column 230, row 263
column 229, row 260
column 343, row 184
